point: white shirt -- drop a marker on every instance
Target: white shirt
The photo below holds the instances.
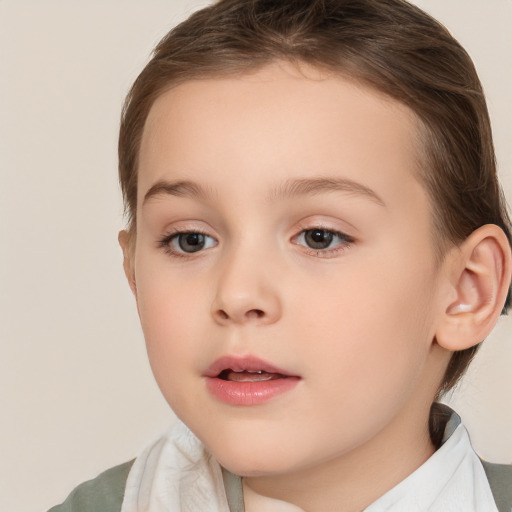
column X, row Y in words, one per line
column 451, row 480
column 177, row 474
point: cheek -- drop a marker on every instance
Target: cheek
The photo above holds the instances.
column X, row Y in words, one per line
column 366, row 346
column 170, row 311
column 372, row 324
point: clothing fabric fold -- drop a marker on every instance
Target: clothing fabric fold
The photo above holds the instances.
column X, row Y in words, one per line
column 175, row 473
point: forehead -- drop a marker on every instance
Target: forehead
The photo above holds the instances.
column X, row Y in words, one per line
column 252, row 129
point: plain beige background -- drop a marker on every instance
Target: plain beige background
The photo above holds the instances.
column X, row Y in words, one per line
column 76, row 392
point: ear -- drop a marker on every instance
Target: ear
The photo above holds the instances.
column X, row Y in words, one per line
column 127, row 243
column 479, row 278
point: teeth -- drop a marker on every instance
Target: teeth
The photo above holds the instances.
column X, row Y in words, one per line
column 248, row 371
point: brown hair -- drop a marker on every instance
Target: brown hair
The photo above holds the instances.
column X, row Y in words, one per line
column 389, row 45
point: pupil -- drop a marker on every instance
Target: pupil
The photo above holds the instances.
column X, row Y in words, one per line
column 319, row 238
column 191, row 242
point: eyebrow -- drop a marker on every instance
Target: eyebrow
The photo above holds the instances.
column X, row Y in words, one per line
column 308, row 186
column 290, row 188
column 181, row 188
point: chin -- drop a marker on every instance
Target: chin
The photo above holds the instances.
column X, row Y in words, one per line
column 253, row 461
column 251, row 468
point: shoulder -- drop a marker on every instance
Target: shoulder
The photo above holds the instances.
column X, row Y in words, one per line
column 500, row 481
column 105, row 492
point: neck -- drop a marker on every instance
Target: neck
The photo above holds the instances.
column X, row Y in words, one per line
column 349, row 482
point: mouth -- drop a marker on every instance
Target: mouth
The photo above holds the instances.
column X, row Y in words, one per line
column 247, row 368
column 247, row 380
column 248, row 376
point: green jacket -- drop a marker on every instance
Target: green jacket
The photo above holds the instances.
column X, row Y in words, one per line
column 105, row 493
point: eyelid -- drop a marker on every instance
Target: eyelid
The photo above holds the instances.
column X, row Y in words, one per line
column 333, row 226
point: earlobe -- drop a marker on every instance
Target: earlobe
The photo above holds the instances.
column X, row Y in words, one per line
column 480, row 279
column 127, row 245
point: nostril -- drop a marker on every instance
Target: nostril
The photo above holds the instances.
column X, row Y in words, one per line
column 223, row 314
column 239, row 316
column 255, row 313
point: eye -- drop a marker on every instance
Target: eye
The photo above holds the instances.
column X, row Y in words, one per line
column 187, row 242
column 320, row 239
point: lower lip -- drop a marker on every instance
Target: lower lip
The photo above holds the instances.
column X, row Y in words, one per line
column 249, row 393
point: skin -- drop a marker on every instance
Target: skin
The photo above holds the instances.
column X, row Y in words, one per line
column 356, row 321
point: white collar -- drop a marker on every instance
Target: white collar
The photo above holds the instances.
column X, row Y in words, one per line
column 451, row 480
column 176, row 473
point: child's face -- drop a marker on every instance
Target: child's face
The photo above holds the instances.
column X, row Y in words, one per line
column 309, row 247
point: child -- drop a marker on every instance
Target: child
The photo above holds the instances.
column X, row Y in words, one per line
column 317, row 244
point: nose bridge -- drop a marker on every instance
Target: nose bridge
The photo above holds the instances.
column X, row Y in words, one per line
column 246, row 289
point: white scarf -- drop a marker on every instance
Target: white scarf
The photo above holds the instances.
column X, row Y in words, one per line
column 177, row 474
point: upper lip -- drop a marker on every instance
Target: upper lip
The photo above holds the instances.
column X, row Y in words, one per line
column 240, row 364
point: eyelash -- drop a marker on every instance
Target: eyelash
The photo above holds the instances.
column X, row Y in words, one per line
column 345, row 241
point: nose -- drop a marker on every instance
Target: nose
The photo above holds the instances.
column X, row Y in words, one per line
column 247, row 291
